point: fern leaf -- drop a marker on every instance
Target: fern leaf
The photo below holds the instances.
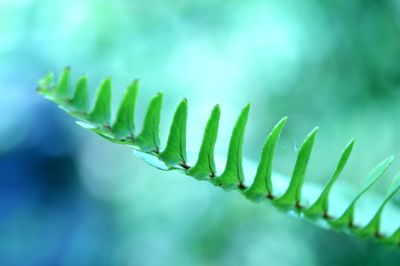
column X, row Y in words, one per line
column 233, row 175
column 175, row 152
column 320, row 207
column 101, row 113
column 292, row 197
column 347, row 218
column 79, row 101
column 205, row 166
column 63, row 87
column 146, row 145
column 373, row 227
column 394, row 239
column 149, row 139
column 124, row 125
column 262, row 185
column 46, row 84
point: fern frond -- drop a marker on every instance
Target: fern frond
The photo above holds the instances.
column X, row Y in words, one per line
column 146, row 145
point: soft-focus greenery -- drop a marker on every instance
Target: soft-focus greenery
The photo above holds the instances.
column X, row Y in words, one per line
column 331, row 64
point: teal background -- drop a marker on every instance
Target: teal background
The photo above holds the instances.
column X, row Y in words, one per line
column 68, row 197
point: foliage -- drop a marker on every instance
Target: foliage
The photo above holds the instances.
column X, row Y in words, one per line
column 174, row 156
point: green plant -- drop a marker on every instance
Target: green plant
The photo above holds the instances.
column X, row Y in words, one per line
column 173, row 157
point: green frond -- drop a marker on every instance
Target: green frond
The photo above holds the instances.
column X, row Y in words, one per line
column 146, row 145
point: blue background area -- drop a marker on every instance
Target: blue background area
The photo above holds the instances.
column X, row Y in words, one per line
column 68, row 197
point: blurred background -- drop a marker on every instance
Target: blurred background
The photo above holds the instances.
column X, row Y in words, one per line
column 68, row 197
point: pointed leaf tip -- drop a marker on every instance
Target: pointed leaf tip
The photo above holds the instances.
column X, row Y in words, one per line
column 233, row 175
column 247, row 107
column 101, row 112
column 320, row 207
column 373, row 227
column 314, row 131
column 262, row 185
column 292, row 197
column 394, row 187
column 205, row 166
column 124, row 125
column 46, row 83
column 79, row 101
column 347, row 218
column 62, row 89
column 149, row 139
column 175, row 151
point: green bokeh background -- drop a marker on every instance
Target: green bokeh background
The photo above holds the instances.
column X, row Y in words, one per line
column 331, row 63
